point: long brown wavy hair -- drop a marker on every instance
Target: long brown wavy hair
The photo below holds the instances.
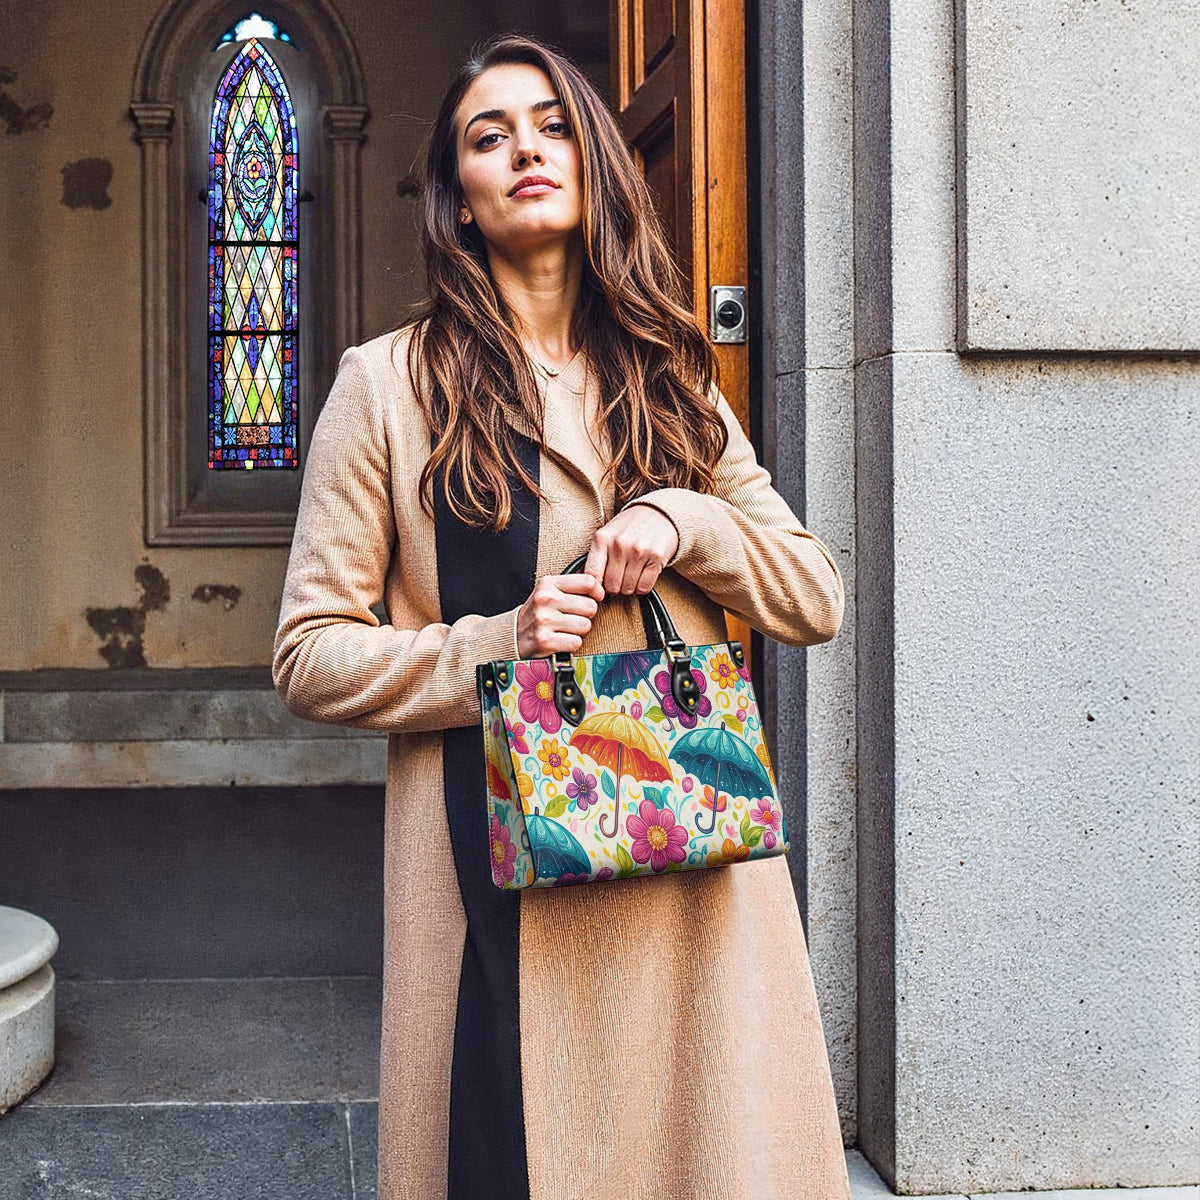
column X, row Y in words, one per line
column 655, row 364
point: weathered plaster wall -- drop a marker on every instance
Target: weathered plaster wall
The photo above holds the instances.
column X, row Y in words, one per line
column 80, row 589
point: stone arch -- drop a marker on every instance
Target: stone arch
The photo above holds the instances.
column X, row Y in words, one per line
column 184, row 504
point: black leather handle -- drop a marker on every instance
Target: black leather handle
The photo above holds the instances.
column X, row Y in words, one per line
column 654, row 612
column 568, row 698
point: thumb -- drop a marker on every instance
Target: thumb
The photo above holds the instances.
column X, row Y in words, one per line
column 597, row 560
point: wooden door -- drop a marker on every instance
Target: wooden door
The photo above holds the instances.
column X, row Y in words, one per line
column 679, row 91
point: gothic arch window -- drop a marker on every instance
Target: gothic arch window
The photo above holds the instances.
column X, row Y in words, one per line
column 252, row 246
column 249, row 297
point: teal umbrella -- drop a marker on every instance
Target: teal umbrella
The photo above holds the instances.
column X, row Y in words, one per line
column 724, row 761
column 556, row 851
column 615, row 674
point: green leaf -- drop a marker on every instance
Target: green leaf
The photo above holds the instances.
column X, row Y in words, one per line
column 655, row 713
column 580, row 670
column 609, row 785
column 756, row 836
column 745, row 830
column 734, row 723
column 557, row 806
column 655, row 796
column 625, row 864
column 501, row 811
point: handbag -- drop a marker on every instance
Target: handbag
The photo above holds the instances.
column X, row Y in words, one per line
column 609, row 766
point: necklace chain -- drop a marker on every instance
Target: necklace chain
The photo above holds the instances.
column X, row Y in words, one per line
column 537, row 362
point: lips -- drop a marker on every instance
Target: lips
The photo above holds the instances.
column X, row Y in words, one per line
column 531, row 181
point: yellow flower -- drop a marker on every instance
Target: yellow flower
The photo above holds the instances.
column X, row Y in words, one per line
column 729, row 852
column 554, row 760
column 524, row 783
column 723, row 672
column 761, row 751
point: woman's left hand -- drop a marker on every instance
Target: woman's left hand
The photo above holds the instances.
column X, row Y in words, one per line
column 629, row 553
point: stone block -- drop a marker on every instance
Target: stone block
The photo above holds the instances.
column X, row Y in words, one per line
column 1046, row 648
column 1079, row 197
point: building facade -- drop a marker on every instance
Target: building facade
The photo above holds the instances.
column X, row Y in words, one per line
column 974, row 247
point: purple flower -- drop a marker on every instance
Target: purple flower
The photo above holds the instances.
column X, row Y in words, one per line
column 582, row 789
column 662, row 681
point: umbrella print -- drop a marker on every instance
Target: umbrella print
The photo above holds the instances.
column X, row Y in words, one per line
column 717, row 756
column 617, row 741
column 615, row 674
column 555, row 850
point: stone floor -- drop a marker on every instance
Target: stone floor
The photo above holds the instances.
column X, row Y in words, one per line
column 236, row 1089
column 865, row 1184
column 261, row 1089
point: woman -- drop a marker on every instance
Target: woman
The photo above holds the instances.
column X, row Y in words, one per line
column 645, row 1038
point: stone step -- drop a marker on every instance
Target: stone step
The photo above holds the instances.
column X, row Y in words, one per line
column 215, row 1040
column 269, row 1151
column 172, row 1089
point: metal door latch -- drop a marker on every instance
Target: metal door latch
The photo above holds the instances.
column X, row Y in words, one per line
column 727, row 313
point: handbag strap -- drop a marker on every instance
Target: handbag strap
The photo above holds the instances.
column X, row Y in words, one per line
column 568, row 698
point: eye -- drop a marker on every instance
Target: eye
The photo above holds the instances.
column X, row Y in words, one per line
column 558, row 125
column 484, row 143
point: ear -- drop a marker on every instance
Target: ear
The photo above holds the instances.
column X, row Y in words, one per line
column 464, row 215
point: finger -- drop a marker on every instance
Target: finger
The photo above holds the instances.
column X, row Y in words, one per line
column 648, row 578
column 584, row 606
column 634, row 565
column 575, row 584
column 614, row 570
column 560, row 643
column 570, row 623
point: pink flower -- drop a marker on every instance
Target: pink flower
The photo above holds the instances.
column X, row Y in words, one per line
column 536, row 699
column 657, row 839
column 765, row 813
column 504, row 853
column 520, row 745
column 565, row 881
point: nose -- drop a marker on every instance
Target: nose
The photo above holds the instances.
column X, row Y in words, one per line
column 525, row 148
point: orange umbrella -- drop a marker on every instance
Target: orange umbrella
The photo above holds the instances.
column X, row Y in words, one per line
column 617, row 741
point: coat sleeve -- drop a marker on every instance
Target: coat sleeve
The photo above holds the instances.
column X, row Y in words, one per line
column 743, row 546
column 333, row 661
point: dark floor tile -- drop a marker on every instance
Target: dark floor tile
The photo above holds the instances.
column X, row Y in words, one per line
column 364, row 1145
column 176, row 1152
column 154, row 1041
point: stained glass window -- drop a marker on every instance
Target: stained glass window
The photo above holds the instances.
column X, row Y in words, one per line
column 255, row 25
column 252, row 244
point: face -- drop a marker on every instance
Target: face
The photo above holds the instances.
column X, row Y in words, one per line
column 511, row 126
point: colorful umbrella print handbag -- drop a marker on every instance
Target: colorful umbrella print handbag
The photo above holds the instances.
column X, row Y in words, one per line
column 606, row 766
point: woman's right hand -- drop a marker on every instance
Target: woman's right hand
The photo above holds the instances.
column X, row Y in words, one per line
column 558, row 615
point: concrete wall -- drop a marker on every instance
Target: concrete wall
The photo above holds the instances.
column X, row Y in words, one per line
column 1028, row 649
column 803, row 76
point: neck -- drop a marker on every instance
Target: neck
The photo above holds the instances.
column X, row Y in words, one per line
column 541, row 288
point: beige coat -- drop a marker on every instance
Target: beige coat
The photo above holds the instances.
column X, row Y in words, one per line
column 687, row 997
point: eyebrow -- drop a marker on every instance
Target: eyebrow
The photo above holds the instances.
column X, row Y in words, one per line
column 496, row 114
